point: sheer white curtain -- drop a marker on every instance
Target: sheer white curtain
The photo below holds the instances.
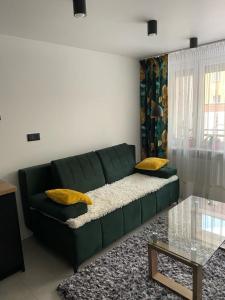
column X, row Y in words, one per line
column 196, row 127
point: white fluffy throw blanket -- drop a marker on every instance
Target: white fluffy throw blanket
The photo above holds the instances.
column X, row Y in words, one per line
column 112, row 196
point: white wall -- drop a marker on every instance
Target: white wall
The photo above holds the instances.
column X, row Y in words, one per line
column 79, row 100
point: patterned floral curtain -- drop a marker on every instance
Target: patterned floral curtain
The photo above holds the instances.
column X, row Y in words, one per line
column 154, row 106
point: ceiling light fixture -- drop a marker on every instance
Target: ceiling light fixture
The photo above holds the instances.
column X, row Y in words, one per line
column 152, row 27
column 79, row 8
column 193, row 42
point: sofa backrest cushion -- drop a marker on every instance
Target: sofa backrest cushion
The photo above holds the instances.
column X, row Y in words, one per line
column 82, row 172
column 117, row 161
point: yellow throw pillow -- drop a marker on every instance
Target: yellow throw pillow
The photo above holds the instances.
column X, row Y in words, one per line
column 68, row 197
column 152, row 163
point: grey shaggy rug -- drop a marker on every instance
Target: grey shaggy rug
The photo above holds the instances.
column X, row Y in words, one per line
column 122, row 273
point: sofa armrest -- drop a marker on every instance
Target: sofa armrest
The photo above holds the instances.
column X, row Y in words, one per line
column 164, row 172
column 60, row 212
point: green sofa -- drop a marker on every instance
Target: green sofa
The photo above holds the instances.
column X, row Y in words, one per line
column 84, row 173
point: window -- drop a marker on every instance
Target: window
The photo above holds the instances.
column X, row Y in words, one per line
column 197, row 101
column 184, row 90
column 209, row 117
column 214, row 109
column 196, row 119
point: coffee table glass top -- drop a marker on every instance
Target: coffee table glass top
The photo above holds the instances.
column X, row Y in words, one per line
column 196, row 229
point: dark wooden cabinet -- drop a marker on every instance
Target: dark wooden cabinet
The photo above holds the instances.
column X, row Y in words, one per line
column 11, row 255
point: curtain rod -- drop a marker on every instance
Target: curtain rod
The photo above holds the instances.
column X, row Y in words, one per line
column 174, row 51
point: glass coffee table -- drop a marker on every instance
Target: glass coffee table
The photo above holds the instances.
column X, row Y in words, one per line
column 196, row 229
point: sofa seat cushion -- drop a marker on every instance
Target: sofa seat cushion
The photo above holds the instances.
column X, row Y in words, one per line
column 148, row 206
column 82, row 172
column 112, row 227
column 132, row 215
column 87, row 241
column 118, row 194
column 57, row 211
column 117, row 161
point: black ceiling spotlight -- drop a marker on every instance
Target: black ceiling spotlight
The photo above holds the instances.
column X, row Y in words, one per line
column 152, row 27
column 79, row 8
column 193, row 42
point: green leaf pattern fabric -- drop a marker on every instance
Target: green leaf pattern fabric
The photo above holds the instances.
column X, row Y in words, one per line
column 154, row 106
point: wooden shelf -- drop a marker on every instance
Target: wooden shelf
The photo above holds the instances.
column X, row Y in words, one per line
column 6, row 188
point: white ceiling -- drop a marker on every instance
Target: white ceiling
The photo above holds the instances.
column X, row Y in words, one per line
column 116, row 26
